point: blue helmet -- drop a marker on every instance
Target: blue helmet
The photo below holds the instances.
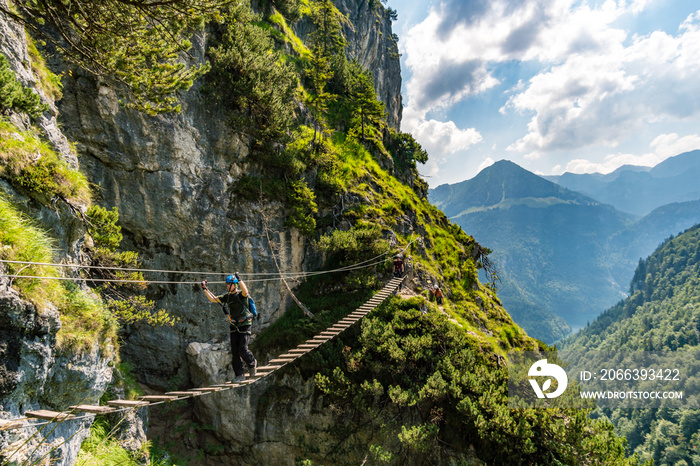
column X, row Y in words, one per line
column 231, row 279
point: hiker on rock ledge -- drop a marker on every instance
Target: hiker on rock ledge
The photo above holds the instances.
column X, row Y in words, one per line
column 236, row 306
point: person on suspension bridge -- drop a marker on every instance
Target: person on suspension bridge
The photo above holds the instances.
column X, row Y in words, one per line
column 236, row 306
column 398, row 268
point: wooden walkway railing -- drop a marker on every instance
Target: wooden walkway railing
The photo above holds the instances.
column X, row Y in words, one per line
column 263, row 371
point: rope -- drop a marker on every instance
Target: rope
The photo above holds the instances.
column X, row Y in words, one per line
column 367, row 263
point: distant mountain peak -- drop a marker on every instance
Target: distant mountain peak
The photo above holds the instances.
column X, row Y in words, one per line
column 502, row 185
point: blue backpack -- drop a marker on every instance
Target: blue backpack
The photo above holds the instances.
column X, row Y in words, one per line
column 251, row 306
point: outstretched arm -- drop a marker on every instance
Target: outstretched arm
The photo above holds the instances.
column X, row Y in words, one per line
column 244, row 289
column 210, row 296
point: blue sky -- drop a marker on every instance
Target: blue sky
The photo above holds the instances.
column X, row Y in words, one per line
column 553, row 85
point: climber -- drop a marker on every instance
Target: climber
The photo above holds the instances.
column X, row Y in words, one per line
column 438, row 294
column 398, row 268
column 235, row 305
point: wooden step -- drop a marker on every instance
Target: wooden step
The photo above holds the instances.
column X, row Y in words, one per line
column 49, row 415
column 270, row 368
column 299, row 351
column 206, row 389
column 157, row 398
column 287, row 356
column 279, row 360
column 92, row 409
column 127, row 403
column 184, row 394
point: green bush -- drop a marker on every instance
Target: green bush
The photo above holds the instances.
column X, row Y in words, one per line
column 28, row 162
column 302, row 202
column 417, row 383
column 14, row 96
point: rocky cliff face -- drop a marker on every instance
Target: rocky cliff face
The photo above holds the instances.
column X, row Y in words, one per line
column 371, row 42
column 34, row 374
column 172, row 178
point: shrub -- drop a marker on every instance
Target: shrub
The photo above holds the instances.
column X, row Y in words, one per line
column 14, row 96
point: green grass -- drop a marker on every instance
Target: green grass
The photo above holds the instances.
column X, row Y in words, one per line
column 22, row 240
column 84, row 317
column 101, row 448
column 29, row 163
column 48, row 82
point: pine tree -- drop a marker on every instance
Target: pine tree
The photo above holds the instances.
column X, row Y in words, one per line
column 137, row 43
column 368, row 111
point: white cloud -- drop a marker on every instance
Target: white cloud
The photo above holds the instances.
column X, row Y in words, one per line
column 669, row 145
column 442, row 138
column 604, row 98
column 488, row 161
column 663, row 146
column 599, row 84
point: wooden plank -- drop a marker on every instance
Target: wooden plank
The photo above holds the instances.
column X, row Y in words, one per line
column 184, row 394
column 92, row 409
column 156, row 398
column 206, row 389
column 271, row 368
column 299, row 351
column 273, row 361
column 128, row 403
column 49, row 415
column 7, row 424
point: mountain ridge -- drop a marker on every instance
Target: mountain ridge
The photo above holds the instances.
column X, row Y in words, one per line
column 561, row 261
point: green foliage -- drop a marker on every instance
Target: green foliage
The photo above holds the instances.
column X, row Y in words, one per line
column 368, row 112
column 22, row 240
column 14, row 96
column 405, row 150
column 302, row 201
column 48, row 82
column 28, row 162
column 662, row 314
column 329, row 297
column 290, row 9
column 89, row 322
column 137, row 44
column 103, row 224
column 327, row 37
column 417, row 382
column 353, row 246
column 103, row 448
column 124, row 300
column 252, row 81
column 84, row 318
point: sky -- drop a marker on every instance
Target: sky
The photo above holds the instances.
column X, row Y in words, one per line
column 552, row 85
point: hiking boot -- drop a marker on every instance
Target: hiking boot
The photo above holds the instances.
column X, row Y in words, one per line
column 239, row 378
column 252, row 368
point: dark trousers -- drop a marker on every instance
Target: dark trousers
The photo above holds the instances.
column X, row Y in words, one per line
column 239, row 349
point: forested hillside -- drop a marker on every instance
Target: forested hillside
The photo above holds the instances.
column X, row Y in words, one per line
column 561, row 257
column 257, row 145
column 662, row 313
